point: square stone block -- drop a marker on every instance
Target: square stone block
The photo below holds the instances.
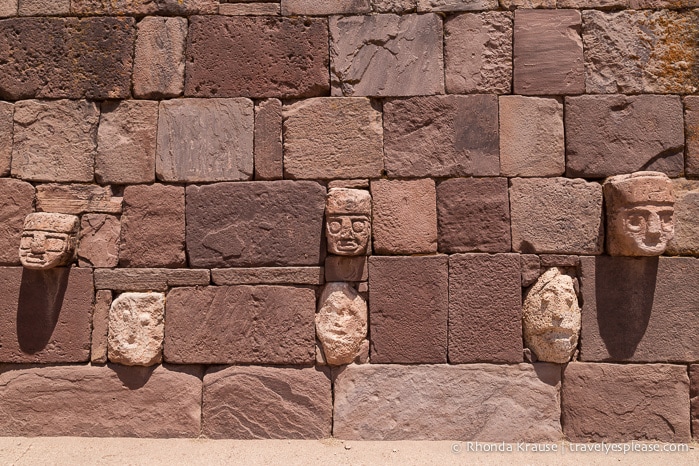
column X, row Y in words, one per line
column 16, row 202
column 99, row 240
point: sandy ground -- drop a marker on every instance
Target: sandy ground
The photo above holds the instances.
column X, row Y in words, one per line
column 127, row 451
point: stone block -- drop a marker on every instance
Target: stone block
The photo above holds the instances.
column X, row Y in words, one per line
column 268, row 152
column 297, row 403
column 100, row 401
column 601, row 4
column 473, row 215
column 686, row 219
column 483, row 402
column 269, row 276
column 621, row 403
column 46, row 315
column 442, row 136
column 284, row 57
column 456, row 5
column 691, row 126
column 639, row 309
column 694, row 398
column 632, row 52
column 59, row 58
column 665, row 4
column 126, row 142
column 531, row 268
column 136, row 329
column 349, row 184
column 158, row 70
column 153, row 227
column 8, row 8
column 485, row 308
column 16, row 201
column 327, row 7
column 641, row 132
column 249, row 9
column 559, row 260
column 202, row 140
column 6, row 136
column 240, row 325
column 99, row 241
column 55, row 140
column 394, row 6
column 143, row 7
column 556, row 216
column 148, row 279
column 327, row 138
column 548, row 52
column 76, row 199
column 532, row 139
column 386, row 55
column 478, row 53
column 408, row 318
column 346, row 269
column 262, row 223
column 44, row 7
column 516, row 4
column 100, row 327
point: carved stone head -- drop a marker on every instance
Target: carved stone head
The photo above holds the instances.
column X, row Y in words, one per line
column 341, row 323
column 640, row 209
column 48, row 240
column 551, row 317
column 348, row 221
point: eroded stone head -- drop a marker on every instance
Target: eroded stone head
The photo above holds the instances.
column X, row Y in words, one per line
column 341, row 323
column 136, row 329
column 48, row 240
column 551, row 317
column 348, row 221
column 640, row 208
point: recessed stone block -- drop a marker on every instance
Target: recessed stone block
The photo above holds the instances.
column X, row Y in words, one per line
column 136, row 329
column 268, row 150
column 99, row 241
column 16, row 199
column 100, row 326
column 6, row 136
column 158, row 69
column 346, row 268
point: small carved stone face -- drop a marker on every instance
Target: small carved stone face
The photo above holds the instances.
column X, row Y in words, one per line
column 48, row 240
column 341, row 322
column 649, row 227
column 348, row 221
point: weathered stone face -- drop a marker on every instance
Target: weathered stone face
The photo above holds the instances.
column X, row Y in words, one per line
column 348, row 221
column 341, row 323
column 48, row 240
column 640, row 208
column 551, row 317
column 136, row 329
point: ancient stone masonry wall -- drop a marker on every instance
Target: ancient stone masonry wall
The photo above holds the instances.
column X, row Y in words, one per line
column 367, row 219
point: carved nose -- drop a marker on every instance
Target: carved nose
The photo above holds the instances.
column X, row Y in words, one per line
column 346, row 231
column 653, row 226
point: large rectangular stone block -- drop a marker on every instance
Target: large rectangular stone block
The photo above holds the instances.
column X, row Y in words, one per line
column 269, row 276
column 106, row 401
column 442, row 136
column 483, row 402
column 275, row 223
column 621, row 403
column 45, row 315
column 16, row 202
column 57, row 58
column 326, row 7
column 143, row 7
column 456, row 5
column 686, row 219
column 43, row 7
column 240, row 325
column 126, row 279
column 158, row 69
column 268, row 148
column 485, row 308
column 297, row 403
column 98, row 244
column 640, row 309
column 76, row 199
column 283, row 57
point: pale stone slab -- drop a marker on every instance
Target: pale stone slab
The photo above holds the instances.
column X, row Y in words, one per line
column 488, row 403
column 158, row 69
column 8, row 8
column 249, row 9
column 16, row 199
column 268, row 276
column 394, row 6
column 516, row 4
column 44, row 7
column 6, row 123
column 100, row 326
column 325, row 7
column 686, row 219
column 456, row 5
column 143, row 7
column 269, row 157
column 77, row 199
column 136, row 329
column 148, row 279
column 341, row 323
column 351, row 184
column 99, row 241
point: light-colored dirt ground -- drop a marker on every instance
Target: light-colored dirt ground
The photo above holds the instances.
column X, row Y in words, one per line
column 124, row 451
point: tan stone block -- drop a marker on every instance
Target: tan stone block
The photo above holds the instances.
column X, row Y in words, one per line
column 99, row 241
column 327, row 7
column 341, row 323
column 143, row 7
column 44, row 7
column 136, row 329
column 559, row 260
column 16, row 200
column 77, row 199
column 394, row 6
column 8, row 8
column 456, row 5
column 158, row 69
column 268, row 276
column 148, row 279
column 100, row 326
column 686, row 219
column 597, row 4
column 249, row 9
column 269, row 158
column 6, row 136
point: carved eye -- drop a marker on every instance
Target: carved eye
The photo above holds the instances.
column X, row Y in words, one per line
column 358, row 226
column 54, row 244
column 334, row 227
column 635, row 221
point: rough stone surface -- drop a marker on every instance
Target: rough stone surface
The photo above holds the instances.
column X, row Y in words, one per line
column 405, row 216
column 532, row 137
column 516, row 4
column 686, row 219
column 249, row 9
column 348, row 222
column 94, row 401
column 346, row 269
column 456, row 5
column 126, row 142
column 556, row 215
column 46, row 315
column 548, row 52
column 386, row 55
column 602, row 4
column 240, row 325
column 205, row 140
column 55, row 140
column 442, row 136
column 350, row 184
column 297, row 403
column 48, row 240
column 6, row 123
column 531, row 268
column 274, row 223
column 694, row 398
column 485, row 308
column 394, row 6
column 641, row 51
column 483, row 402
column 408, row 297
column 136, row 329
column 341, row 323
column 478, row 53
column 327, row 138
column 269, row 276
column 76, row 199
column 691, row 122
column 58, row 58
column 158, row 69
column 100, row 327
column 125, row 279
column 284, row 57
column 143, row 7
column 473, row 215
column 43, row 7
column 559, row 260
column 16, row 199
column 327, row 7
column 620, row 403
column 639, row 309
column 268, row 140
column 153, row 227
column 8, row 8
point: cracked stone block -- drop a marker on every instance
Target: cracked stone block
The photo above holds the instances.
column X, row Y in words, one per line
column 456, row 5
column 386, row 55
column 143, row 7
column 136, row 329
column 16, row 202
column 326, row 7
column 268, row 149
column 99, row 241
column 44, row 7
column 616, row 134
column 686, row 219
column 158, row 69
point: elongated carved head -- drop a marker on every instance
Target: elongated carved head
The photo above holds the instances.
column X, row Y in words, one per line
column 48, row 240
column 348, row 221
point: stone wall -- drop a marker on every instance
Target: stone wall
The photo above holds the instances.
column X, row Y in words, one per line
column 198, row 143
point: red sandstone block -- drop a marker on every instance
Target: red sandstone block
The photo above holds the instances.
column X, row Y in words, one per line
column 153, row 227
column 691, row 122
column 240, row 325
column 16, row 201
column 6, row 123
column 159, row 63
column 100, row 326
column 620, row 403
column 99, row 240
column 106, row 401
column 58, row 58
column 268, row 152
column 282, row 57
column 408, row 315
column 143, row 7
column 326, row 7
column 485, row 308
column 43, row 7
column 267, row 402
column 694, row 398
column 45, row 315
